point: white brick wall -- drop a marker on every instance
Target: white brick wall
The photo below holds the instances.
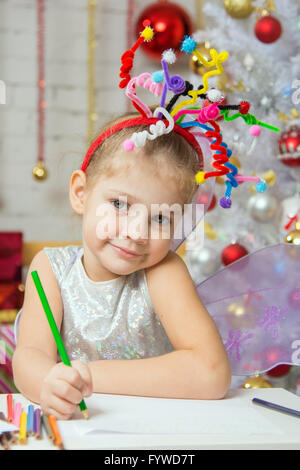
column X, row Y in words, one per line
column 42, row 209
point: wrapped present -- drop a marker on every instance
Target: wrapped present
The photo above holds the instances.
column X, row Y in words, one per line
column 11, row 287
column 11, row 300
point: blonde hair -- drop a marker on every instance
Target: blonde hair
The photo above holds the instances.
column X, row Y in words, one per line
column 169, row 154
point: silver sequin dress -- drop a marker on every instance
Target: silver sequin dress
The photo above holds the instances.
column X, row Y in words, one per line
column 112, row 319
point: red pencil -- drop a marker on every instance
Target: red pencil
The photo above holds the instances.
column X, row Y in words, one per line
column 10, row 413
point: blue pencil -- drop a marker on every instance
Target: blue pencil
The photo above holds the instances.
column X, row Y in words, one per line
column 276, row 407
column 30, row 420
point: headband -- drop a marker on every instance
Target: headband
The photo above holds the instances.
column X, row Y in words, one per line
column 139, row 122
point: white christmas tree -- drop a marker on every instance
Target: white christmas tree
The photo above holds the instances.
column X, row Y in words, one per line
column 268, row 76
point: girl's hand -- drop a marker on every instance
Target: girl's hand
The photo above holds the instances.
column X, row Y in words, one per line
column 64, row 387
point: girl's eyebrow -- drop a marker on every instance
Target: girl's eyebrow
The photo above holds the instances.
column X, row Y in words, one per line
column 122, row 193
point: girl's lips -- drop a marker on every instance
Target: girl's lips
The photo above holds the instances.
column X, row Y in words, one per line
column 123, row 252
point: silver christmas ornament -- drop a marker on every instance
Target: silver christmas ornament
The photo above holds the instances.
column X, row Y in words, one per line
column 263, row 207
column 203, row 262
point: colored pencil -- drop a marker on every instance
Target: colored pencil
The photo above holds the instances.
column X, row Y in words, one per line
column 10, row 412
column 46, row 424
column 58, row 340
column 58, row 440
column 23, row 428
column 17, row 414
column 37, row 424
column 30, row 415
column 276, row 407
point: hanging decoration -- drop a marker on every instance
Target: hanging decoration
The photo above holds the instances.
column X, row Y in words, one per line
column 279, row 371
column 293, row 237
column 258, row 381
column 263, row 207
column 268, row 29
column 40, row 172
column 232, row 253
column 196, row 64
column 290, row 213
column 92, row 42
column 289, row 146
column 238, row 8
column 170, row 23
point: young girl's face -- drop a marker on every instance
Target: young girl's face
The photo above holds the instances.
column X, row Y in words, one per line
column 134, row 211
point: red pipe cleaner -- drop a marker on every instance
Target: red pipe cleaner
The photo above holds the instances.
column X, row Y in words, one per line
column 221, row 157
column 127, row 64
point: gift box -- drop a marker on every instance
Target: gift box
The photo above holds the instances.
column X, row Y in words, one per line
column 11, row 287
column 11, row 300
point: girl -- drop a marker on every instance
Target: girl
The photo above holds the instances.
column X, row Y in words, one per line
column 127, row 308
column 123, row 295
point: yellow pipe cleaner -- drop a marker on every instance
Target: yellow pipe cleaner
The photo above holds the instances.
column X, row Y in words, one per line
column 217, row 60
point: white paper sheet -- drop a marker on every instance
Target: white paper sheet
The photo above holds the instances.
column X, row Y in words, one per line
column 140, row 415
column 5, row 426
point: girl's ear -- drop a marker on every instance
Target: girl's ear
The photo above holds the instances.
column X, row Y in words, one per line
column 77, row 191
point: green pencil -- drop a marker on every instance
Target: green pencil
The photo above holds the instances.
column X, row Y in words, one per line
column 59, row 343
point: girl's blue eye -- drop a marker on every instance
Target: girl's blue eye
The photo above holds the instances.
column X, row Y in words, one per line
column 162, row 219
column 117, row 206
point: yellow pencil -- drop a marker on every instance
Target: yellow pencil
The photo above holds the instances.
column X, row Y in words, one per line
column 23, row 428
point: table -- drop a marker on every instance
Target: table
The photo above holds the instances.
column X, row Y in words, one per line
column 288, row 438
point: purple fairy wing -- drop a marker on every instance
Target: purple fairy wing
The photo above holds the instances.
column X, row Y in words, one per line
column 255, row 303
column 195, row 211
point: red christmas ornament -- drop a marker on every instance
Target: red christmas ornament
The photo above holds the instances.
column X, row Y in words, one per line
column 268, row 29
column 275, row 354
column 232, row 253
column 279, row 371
column 170, row 23
column 204, row 199
column 289, row 147
column 294, row 298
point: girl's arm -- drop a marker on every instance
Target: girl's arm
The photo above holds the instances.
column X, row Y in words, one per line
column 197, row 369
column 57, row 387
column 36, row 351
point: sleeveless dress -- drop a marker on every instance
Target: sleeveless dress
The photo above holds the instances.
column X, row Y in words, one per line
column 112, row 319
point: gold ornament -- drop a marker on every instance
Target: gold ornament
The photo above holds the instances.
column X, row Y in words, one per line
column 257, row 382
column 293, row 240
column 235, row 161
column 210, row 232
column 285, row 118
column 181, row 251
column 265, row 10
column 40, row 172
column 240, row 315
column 196, row 64
column 238, row 8
column 294, row 236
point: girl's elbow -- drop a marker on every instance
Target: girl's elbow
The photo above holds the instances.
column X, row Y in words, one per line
column 220, row 379
column 216, row 383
